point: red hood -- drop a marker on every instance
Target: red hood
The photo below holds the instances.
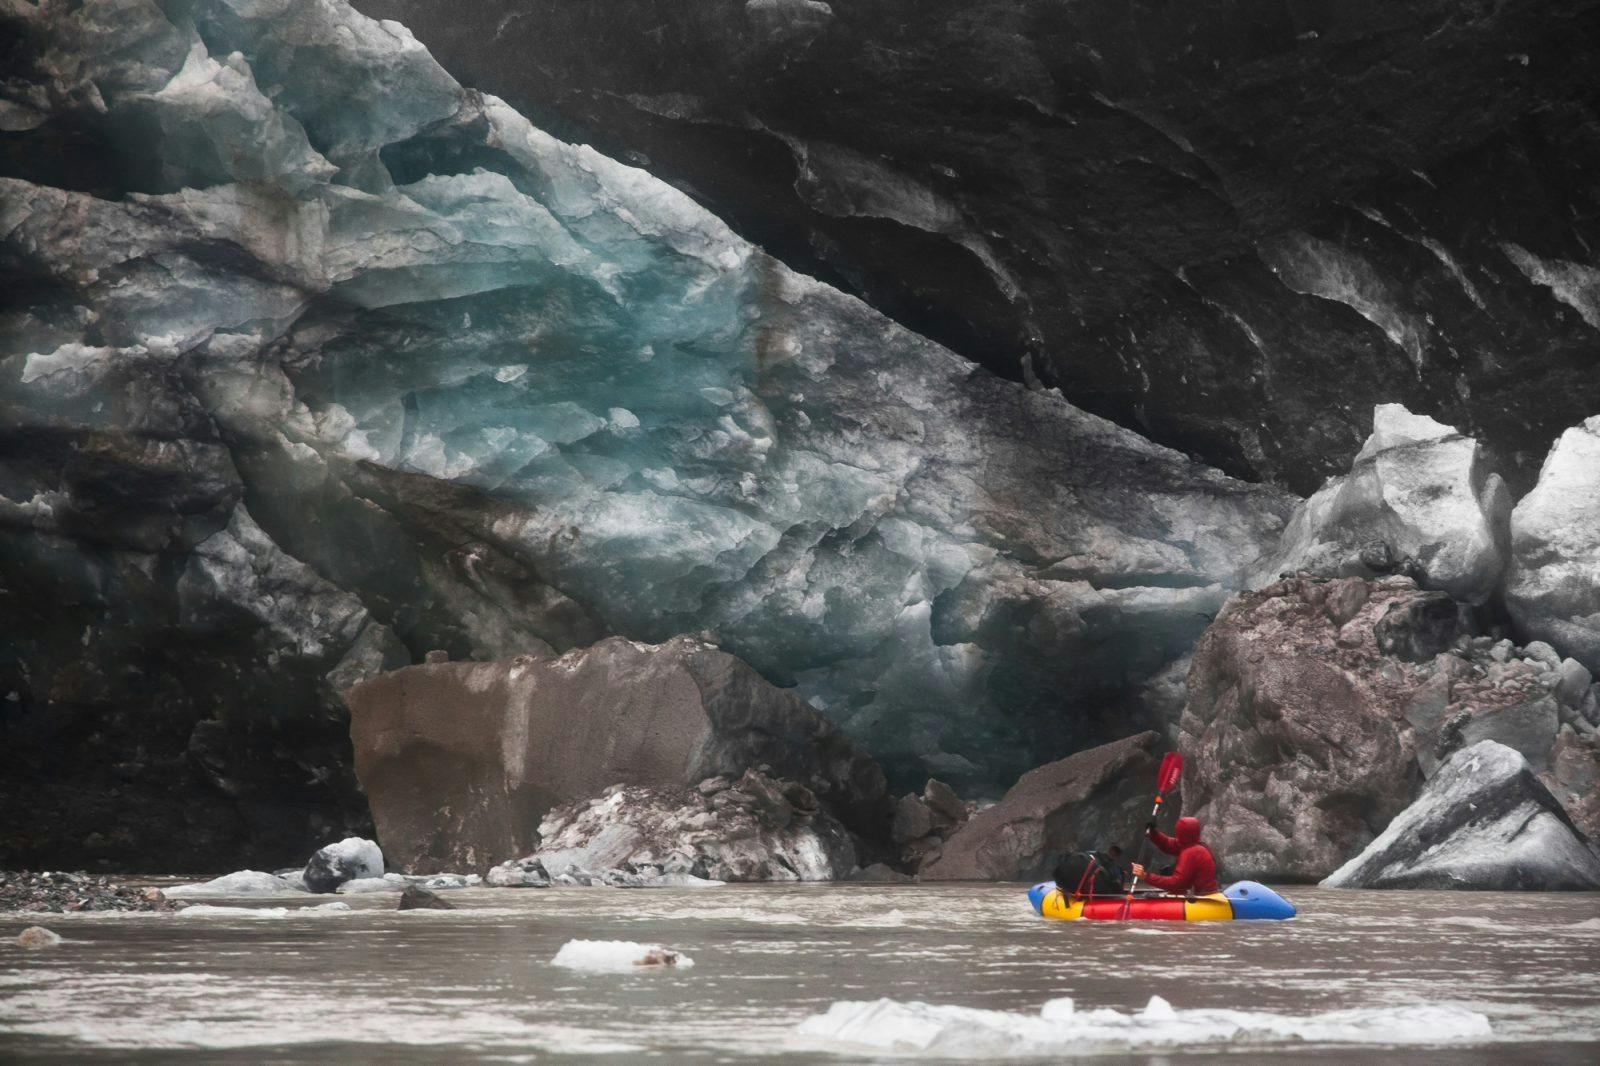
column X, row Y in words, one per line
column 1188, row 832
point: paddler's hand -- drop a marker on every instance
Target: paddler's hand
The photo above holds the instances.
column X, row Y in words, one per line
column 1138, row 870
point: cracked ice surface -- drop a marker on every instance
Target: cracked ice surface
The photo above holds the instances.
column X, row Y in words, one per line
column 502, row 389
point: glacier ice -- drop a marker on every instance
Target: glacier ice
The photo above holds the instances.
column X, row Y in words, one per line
column 375, row 351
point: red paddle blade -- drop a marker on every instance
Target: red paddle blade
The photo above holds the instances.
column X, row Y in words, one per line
column 1171, row 770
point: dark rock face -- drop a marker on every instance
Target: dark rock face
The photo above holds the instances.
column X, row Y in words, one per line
column 1087, row 800
column 1316, row 709
column 1235, row 227
column 1484, row 821
column 461, row 760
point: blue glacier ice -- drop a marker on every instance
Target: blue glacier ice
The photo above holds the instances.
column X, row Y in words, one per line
column 486, row 390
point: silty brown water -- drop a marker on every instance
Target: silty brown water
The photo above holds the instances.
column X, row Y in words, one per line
column 962, row 971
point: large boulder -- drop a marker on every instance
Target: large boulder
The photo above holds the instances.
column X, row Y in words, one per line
column 1484, row 821
column 758, row 828
column 462, row 760
column 1317, row 707
column 1090, row 799
column 1419, row 498
column 1553, row 588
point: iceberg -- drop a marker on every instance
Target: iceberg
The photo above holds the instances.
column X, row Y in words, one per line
column 486, row 391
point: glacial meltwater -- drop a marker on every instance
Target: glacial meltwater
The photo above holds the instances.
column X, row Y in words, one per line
column 789, row 973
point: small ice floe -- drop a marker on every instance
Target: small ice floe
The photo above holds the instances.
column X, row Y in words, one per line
column 1059, row 1028
column 37, row 938
column 208, row 910
column 617, row 956
column 335, row 906
column 238, row 883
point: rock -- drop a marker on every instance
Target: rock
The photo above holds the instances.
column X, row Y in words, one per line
column 1421, row 627
column 1553, row 587
column 349, row 859
column 37, row 937
column 1085, row 800
column 1526, row 726
column 634, row 836
column 1573, row 684
column 461, row 760
column 1298, row 752
column 912, row 819
column 239, row 883
column 947, row 807
column 414, row 898
column 1574, row 779
column 880, row 874
column 1483, row 822
column 1419, row 496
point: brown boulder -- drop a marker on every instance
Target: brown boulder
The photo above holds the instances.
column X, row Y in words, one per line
column 461, row 760
column 1096, row 797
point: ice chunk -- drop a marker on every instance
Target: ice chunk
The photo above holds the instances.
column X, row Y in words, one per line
column 366, row 885
column 1059, row 1028
column 207, row 910
column 346, row 860
column 617, row 956
column 239, row 883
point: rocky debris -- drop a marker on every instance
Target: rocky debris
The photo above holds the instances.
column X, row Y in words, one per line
column 346, row 860
column 37, row 938
column 238, row 883
column 1553, row 587
column 758, row 828
column 461, row 760
column 1089, row 799
column 413, row 898
column 1316, row 708
column 60, row 892
column 1484, row 821
column 922, row 823
column 518, row 873
column 1419, row 500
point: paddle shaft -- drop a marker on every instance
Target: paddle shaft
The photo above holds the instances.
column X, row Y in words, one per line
column 1144, row 843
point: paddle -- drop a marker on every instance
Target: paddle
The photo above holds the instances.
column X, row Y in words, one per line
column 1166, row 778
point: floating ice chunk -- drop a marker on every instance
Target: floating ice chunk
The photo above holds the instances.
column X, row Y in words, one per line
column 335, row 906
column 617, row 956
column 1059, row 1028
column 622, row 418
column 347, row 860
column 511, row 373
column 239, row 883
column 207, row 910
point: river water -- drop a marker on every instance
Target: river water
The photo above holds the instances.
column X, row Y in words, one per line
column 828, row 973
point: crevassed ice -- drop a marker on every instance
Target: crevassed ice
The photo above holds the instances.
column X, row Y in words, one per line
column 379, row 283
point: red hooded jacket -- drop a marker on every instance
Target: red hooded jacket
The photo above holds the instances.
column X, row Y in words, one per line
column 1196, row 869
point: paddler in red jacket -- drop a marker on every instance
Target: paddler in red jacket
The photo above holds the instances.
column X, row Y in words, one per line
column 1196, row 870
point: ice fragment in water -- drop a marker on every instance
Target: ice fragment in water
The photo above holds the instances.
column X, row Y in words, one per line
column 617, row 956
